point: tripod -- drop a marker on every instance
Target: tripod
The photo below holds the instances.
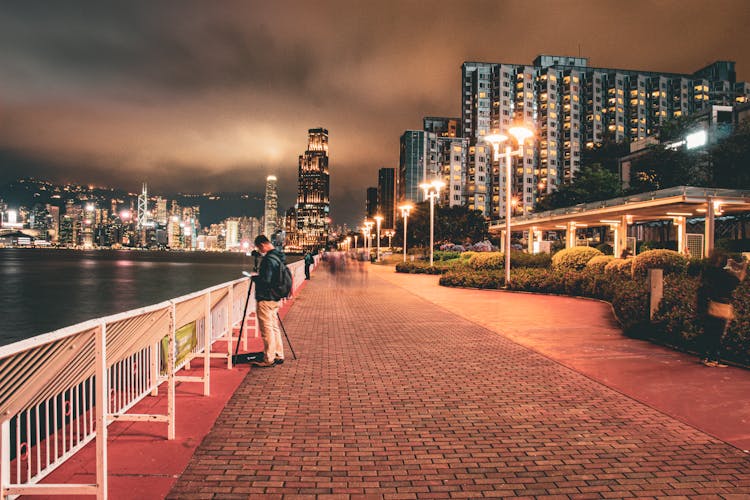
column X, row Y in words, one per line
column 254, row 356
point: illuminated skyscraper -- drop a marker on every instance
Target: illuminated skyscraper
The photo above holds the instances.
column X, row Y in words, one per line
column 313, row 203
column 272, row 203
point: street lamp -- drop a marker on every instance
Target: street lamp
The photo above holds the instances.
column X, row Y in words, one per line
column 405, row 209
column 432, row 191
column 378, row 220
column 520, row 134
column 389, row 234
column 368, row 232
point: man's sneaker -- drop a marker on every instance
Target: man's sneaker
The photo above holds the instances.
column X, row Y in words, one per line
column 708, row 362
column 719, row 364
column 262, row 364
column 279, row 361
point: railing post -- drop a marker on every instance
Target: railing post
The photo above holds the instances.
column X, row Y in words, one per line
column 102, row 398
column 4, row 458
column 170, row 373
column 207, row 348
column 230, row 323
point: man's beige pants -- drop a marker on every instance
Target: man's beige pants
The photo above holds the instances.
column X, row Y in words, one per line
column 268, row 323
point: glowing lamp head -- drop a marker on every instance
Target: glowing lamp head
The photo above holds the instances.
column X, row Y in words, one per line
column 89, row 207
column 521, row 134
column 495, row 139
column 125, row 214
column 405, row 209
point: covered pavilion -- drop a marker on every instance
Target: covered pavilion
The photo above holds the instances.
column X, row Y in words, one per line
column 677, row 204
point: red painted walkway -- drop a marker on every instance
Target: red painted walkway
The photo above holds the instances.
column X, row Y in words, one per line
column 405, row 389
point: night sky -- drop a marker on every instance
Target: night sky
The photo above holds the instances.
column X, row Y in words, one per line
column 215, row 95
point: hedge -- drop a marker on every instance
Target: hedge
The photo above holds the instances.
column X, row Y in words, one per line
column 596, row 264
column 574, row 258
column 423, row 267
column 496, row 260
column 677, row 321
column 668, row 260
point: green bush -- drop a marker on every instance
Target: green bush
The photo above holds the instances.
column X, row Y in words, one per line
column 677, row 320
column 445, row 255
column 422, row 267
column 522, row 259
column 574, row 258
column 630, row 301
column 535, row 280
column 487, row 261
column 605, row 248
column 737, row 340
column 668, row 260
column 467, row 255
column 473, row 279
column 596, row 264
column 618, row 268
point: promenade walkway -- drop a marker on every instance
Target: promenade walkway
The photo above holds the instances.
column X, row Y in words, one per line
column 404, row 389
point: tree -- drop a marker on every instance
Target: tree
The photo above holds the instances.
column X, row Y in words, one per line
column 730, row 159
column 591, row 183
column 455, row 224
column 606, row 155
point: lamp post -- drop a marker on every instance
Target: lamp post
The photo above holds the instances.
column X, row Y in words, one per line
column 389, row 233
column 405, row 209
column 432, row 191
column 368, row 232
column 520, row 134
column 378, row 220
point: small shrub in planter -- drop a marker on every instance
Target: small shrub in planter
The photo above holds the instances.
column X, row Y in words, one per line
column 420, row 267
column 618, row 268
column 574, row 258
column 596, row 264
column 668, row 260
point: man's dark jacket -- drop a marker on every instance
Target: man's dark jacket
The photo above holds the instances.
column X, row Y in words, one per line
column 268, row 276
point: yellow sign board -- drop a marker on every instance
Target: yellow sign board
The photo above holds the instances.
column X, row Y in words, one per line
column 186, row 339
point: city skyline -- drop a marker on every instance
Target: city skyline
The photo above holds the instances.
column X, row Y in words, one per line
column 218, row 99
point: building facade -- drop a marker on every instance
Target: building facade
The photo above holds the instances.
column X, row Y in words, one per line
column 313, row 191
column 571, row 106
column 387, row 196
column 270, row 213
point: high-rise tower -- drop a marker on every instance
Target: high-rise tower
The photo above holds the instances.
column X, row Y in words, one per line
column 313, row 186
column 272, row 203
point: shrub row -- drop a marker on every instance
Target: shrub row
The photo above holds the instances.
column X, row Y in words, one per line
column 677, row 321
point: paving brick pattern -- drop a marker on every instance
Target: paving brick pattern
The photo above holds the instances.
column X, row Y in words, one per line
column 394, row 397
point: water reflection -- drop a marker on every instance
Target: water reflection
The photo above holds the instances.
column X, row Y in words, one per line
column 46, row 289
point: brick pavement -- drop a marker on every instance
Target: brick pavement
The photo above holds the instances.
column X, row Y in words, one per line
column 395, row 397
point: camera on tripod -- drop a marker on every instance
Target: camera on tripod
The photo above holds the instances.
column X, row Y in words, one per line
column 256, row 256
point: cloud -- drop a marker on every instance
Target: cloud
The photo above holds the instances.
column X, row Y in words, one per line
column 193, row 94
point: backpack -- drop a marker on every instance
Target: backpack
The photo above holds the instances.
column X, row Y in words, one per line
column 282, row 285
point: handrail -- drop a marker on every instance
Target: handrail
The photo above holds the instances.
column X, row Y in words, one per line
column 50, row 384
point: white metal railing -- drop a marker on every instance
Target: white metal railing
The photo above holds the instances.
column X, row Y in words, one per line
column 50, row 385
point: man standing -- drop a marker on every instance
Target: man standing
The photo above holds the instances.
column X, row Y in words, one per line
column 266, row 283
column 308, row 263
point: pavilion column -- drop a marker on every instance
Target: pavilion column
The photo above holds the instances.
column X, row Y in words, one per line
column 621, row 235
column 532, row 237
column 681, row 224
column 570, row 235
column 708, row 239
